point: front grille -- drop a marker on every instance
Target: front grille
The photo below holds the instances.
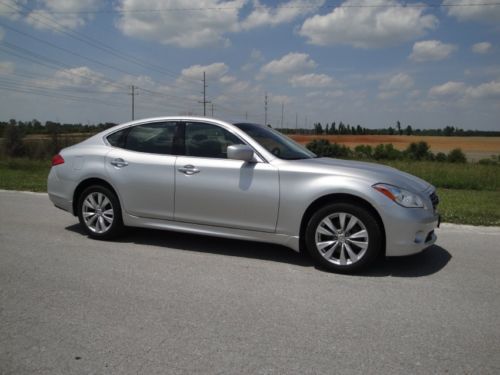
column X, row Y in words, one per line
column 435, row 200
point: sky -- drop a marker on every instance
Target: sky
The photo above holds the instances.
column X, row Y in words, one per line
column 428, row 64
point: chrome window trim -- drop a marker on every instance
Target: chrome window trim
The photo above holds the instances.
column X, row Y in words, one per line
column 259, row 156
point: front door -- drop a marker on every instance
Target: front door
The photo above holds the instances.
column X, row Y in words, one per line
column 213, row 190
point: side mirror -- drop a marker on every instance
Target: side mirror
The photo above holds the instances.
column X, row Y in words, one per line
column 240, row 152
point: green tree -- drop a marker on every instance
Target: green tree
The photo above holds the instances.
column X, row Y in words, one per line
column 13, row 142
column 456, row 156
column 418, row 151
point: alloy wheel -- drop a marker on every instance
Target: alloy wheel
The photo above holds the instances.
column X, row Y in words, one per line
column 341, row 238
column 97, row 212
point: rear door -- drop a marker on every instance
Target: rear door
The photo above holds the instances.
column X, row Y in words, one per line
column 141, row 166
column 213, row 190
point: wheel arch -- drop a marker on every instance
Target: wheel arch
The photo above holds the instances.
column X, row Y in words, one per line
column 85, row 184
column 338, row 198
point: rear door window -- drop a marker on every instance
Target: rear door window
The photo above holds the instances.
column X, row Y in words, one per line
column 154, row 138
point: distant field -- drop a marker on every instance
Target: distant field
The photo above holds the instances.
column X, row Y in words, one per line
column 474, row 147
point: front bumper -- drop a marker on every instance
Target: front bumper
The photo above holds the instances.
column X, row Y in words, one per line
column 409, row 231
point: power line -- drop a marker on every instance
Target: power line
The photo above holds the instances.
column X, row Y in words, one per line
column 36, row 58
column 91, row 41
column 264, row 7
column 64, row 49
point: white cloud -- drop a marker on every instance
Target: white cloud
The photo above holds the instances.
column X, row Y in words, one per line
column 431, row 50
column 212, row 71
column 325, row 94
column 400, row 81
column 311, row 80
column 6, row 67
column 394, row 85
column 490, row 90
column 11, row 8
column 44, row 18
column 459, row 90
column 368, row 27
column 279, row 99
column 187, row 30
column 469, row 12
column 255, row 57
column 263, row 15
column 228, row 79
column 289, row 63
column 81, row 76
column 482, row 47
column 450, row 88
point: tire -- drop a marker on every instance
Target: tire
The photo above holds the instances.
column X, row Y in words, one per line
column 343, row 237
column 99, row 213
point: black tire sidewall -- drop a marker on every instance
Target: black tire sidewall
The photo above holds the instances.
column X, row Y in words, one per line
column 363, row 214
column 116, row 226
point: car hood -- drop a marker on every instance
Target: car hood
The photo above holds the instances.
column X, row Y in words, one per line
column 373, row 173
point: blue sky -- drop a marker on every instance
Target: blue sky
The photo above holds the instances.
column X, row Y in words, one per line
column 370, row 62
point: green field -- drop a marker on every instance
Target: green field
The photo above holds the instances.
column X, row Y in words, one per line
column 24, row 174
column 470, row 193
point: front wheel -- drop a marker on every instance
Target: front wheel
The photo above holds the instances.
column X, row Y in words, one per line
column 343, row 237
column 99, row 213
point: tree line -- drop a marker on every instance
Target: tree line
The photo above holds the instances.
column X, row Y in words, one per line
column 340, row 128
column 416, row 151
column 334, row 128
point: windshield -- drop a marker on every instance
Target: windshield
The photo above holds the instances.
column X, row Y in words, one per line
column 276, row 143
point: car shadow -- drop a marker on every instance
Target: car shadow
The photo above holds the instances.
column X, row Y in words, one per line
column 426, row 263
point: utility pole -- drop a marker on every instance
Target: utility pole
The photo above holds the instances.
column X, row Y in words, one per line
column 265, row 110
column 282, row 113
column 296, row 122
column 133, row 93
column 205, row 101
column 246, row 115
column 213, row 105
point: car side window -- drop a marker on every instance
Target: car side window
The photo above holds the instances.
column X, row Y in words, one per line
column 208, row 140
column 117, row 139
column 154, row 138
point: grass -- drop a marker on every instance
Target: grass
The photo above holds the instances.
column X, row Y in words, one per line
column 24, row 174
column 470, row 207
column 469, row 176
column 469, row 193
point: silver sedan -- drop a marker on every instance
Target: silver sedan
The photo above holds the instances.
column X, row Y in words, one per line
column 242, row 181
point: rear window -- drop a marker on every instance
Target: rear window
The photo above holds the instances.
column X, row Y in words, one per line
column 154, row 138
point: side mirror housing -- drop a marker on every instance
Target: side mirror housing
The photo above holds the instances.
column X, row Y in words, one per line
column 240, row 152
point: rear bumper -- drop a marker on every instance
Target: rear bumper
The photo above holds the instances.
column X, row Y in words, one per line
column 58, row 192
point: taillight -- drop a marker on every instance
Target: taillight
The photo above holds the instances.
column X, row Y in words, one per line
column 57, row 159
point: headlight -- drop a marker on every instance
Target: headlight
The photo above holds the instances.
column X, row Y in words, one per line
column 400, row 196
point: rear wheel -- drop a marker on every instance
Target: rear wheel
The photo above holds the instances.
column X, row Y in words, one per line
column 343, row 237
column 99, row 213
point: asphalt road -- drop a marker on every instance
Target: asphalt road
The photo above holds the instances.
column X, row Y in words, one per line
column 167, row 303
